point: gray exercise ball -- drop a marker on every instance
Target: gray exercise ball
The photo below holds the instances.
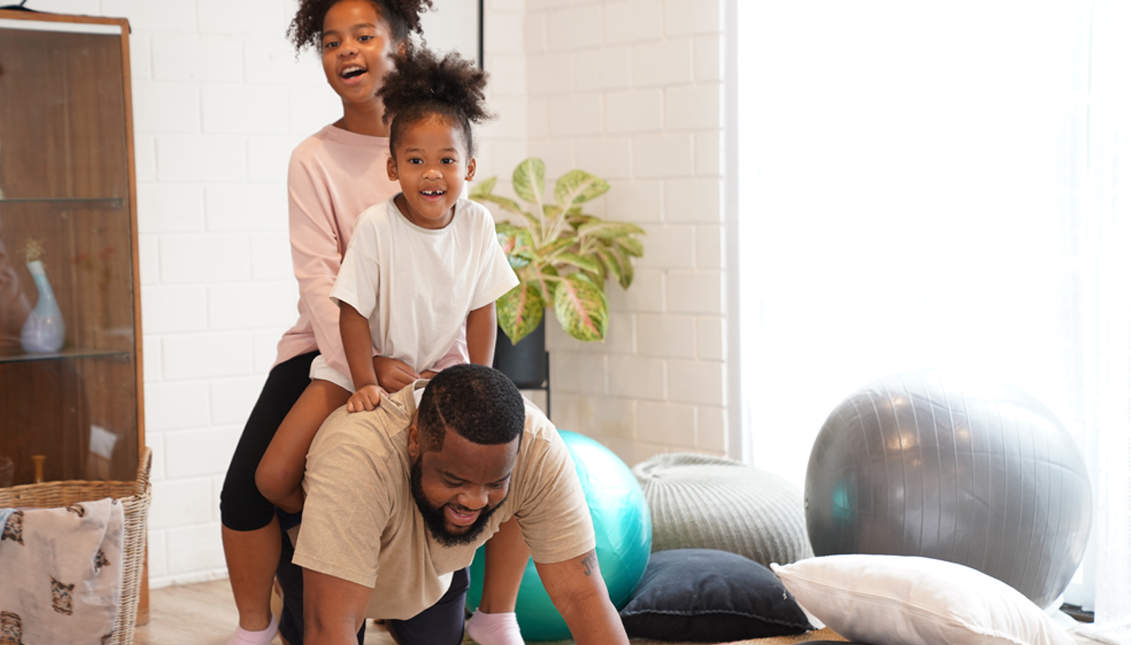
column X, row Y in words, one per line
column 954, row 467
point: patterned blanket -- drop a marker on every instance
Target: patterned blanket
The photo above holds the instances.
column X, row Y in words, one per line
column 60, row 573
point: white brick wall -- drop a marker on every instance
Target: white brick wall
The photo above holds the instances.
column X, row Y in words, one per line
column 632, row 91
column 502, row 142
column 629, row 90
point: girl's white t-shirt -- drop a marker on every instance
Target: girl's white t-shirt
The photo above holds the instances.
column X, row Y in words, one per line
column 416, row 286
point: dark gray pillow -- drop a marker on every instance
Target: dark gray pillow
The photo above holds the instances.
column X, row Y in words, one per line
column 704, row 595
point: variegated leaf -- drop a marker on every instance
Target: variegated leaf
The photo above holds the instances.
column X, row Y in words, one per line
column 504, row 202
column 553, row 211
column 524, row 243
column 577, row 187
column 631, row 246
column 582, row 308
column 519, row 311
column 628, row 271
column 483, row 192
column 524, row 246
column 548, row 251
column 576, row 215
column 609, row 230
column 505, row 230
column 482, row 189
column 589, row 278
column 546, row 279
column 529, row 180
column 515, row 241
column 580, row 261
column 612, row 265
column 577, row 219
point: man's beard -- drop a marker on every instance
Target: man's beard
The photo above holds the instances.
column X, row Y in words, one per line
column 434, row 517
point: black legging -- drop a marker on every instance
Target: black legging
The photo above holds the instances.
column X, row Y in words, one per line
column 440, row 624
column 242, row 507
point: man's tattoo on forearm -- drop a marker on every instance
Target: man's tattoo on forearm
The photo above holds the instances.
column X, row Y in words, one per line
column 590, row 563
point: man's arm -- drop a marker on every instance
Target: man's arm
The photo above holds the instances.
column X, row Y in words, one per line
column 579, row 593
column 333, row 609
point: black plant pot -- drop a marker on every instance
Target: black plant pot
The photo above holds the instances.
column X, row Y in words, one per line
column 528, row 362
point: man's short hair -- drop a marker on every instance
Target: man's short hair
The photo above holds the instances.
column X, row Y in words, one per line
column 478, row 402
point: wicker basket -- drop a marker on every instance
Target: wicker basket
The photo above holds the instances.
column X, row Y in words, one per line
column 134, row 496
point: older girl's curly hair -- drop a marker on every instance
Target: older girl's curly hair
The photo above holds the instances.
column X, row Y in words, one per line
column 403, row 17
column 423, row 85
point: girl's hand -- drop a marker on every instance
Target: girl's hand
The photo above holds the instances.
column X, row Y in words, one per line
column 392, row 374
column 367, row 398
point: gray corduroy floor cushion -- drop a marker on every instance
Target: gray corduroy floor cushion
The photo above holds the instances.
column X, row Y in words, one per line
column 706, row 502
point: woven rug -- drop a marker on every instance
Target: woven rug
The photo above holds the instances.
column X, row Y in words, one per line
column 825, row 634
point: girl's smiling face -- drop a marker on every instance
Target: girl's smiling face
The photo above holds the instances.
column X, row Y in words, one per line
column 432, row 164
column 357, row 45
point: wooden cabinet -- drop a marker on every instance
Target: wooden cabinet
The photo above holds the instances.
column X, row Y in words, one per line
column 68, row 199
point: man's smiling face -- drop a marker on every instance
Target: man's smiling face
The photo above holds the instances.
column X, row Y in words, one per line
column 458, row 487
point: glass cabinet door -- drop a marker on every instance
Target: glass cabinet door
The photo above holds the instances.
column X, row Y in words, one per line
column 70, row 381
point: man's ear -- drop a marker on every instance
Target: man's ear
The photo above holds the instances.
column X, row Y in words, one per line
column 391, row 168
column 470, row 169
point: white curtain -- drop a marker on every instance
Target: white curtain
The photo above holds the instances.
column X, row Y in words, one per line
column 904, row 196
column 938, row 184
column 1107, row 209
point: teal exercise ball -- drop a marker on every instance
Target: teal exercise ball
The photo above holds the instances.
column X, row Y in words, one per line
column 623, row 528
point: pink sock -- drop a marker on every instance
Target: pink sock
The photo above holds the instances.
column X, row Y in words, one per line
column 244, row 637
column 494, row 629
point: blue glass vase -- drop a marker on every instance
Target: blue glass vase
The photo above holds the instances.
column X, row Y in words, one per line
column 43, row 331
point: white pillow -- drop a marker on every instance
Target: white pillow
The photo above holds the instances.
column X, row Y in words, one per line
column 908, row 600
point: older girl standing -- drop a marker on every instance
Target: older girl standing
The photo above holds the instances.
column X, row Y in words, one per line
column 334, row 175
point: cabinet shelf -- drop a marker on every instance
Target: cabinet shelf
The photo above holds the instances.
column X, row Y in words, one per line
column 69, row 195
column 68, row 354
column 70, row 199
column 63, row 203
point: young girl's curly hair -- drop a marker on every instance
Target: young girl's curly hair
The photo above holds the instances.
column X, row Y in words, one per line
column 403, row 17
column 423, row 85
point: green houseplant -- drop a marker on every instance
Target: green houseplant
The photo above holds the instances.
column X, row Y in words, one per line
column 562, row 256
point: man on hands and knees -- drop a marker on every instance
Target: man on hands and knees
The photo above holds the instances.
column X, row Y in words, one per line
column 398, row 500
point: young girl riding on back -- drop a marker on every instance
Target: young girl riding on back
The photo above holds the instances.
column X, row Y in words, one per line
column 420, row 267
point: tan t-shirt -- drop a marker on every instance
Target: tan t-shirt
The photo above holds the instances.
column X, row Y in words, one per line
column 361, row 524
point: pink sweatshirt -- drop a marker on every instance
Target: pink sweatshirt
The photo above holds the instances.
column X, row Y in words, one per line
column 334, row 175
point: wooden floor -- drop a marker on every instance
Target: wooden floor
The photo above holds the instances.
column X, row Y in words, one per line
column 204, row 614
